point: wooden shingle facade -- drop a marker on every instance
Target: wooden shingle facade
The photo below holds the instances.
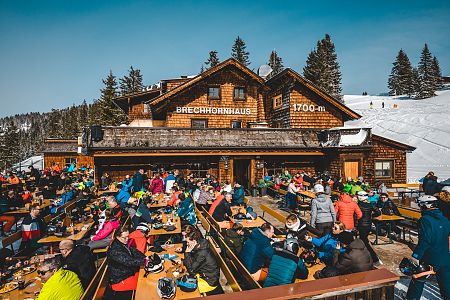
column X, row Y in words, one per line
column 236, row 125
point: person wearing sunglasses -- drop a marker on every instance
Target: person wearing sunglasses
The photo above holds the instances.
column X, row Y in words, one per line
column 59, row 284
column 326, row 244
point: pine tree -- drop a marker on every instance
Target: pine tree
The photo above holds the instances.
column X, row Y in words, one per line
column 415, row 83
column 400, row 80
column 322, row 68
column 239, row 52
column 276, row 63
column 132, row 83
column 83, row 116
column 213, row 60
column 427, row 80
column 10, row 153
column 437, row 74
column 107, row 111
column 202, row 69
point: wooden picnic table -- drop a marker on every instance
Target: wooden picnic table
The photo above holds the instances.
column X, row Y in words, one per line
column 82, row 228
column 33, row 285
column 165, row 217
column 159, row 201
column 307, row 195
column 385, row 218
column 146, row 287
column 24, row 211
column 246, row 223
column 99, row 193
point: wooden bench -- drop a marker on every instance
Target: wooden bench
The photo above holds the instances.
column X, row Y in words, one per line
column 211, row 220
column 369, row 285
column 102, row 285
column 92, row 287
column 273, row 213
column 406, row 185
column 224, row 267
column 10, row 240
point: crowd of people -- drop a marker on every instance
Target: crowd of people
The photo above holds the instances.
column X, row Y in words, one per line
column 342, row 217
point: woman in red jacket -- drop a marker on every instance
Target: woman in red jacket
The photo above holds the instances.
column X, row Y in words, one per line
column 345, row 209
column 157, row 185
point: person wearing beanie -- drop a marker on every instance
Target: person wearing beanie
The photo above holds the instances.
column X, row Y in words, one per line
column 365, row 223
column 323, row 214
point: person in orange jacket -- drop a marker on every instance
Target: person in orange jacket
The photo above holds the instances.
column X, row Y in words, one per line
column 345, row 209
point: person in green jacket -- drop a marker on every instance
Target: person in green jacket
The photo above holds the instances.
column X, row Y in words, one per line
column 239, row 194
column 59, row 284
column 234, row 238
column 356, row 188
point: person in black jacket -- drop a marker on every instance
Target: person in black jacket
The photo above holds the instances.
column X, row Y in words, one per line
column 199, row 260
column 179, row 179
column 223, row 210
column 365, row 223
column 138, row 180
column 78, row 259
column 124, row 263
column 388, row 207
column 432, row 187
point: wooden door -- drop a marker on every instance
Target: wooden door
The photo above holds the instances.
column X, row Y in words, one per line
column 351, row 169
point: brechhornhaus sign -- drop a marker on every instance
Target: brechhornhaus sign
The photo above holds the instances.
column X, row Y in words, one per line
column 214, row 110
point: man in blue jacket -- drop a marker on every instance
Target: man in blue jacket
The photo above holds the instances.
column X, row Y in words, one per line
column 433, row 247
column 257, row 249
column 239, row 194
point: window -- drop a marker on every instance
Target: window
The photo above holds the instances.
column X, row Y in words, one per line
column 146, row 108
column 214, row 93
column 236, row 124
column 199, row 123
column 70, row 160
column 383, row 168
column 239, row 93
column 277, row 101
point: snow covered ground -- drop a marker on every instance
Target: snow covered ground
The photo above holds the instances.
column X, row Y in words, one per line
column 424, row 124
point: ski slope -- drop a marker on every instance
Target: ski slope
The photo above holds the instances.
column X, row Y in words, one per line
column 424, row 124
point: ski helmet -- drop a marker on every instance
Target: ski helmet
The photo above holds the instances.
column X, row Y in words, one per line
column 291, row 245
column 154, row 264
column 427, row 202
column 187, row 283
column 362, row 195
column 166, row 288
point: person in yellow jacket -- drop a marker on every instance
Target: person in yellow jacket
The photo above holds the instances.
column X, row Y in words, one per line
column 59, row 284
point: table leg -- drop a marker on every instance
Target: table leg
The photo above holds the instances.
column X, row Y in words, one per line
column 376, row 233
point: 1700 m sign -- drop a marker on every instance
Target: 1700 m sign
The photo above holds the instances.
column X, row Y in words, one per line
column 308, row 108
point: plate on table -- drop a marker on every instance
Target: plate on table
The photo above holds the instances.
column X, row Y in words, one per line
column 25, row 271
column 8, row 287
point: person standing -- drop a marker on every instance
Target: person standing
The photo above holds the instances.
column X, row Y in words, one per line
column 432, row 248
column 323, row 214
column 138, row 181
column 365, row 223
column 346, row 209
column 239, row 194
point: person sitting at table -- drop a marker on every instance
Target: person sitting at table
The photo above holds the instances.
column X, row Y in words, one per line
column 157, row 184
column 105, row 181
column 113, row 204
column 234, row 238
column 285, row 265
column 13, row 179
column 323, row 214
column 326, row 244
column 34, row 173
column 199, row 260
column 124, row 263
column 257, row 249
column 78, row 259
column 298, row 228
column 388, row 207
column 67, row 196
column 33, row 228
column 185, row 230
column 59, row 284
column 5, row 206
column 26, row 195
column 222, row 211
column 356, row 257
column 174, row 200
column 347, row 211
column 14, row 199
column 123, row 195
column 373, row 197
column 206, row 194
column 186, row 210
column 104, row 235
column 138, row 238
column 239, row 194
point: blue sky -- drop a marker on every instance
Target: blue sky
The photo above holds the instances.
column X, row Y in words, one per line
column 55, row 53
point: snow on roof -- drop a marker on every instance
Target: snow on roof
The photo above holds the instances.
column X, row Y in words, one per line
column 353, row 139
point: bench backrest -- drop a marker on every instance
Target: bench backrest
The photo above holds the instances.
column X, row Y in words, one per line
column 102, row 285
column 224, row 267
column 406, row 185
column 92, row 287
column 211, row 220
column 409, row 213
column 238, row 264
column 9, row 240
column 273, row 213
